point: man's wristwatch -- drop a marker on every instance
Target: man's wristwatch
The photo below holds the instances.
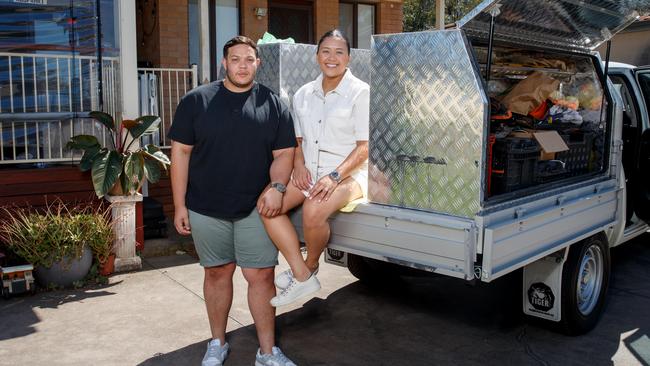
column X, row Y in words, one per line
column 279, row 187
column 335, row 176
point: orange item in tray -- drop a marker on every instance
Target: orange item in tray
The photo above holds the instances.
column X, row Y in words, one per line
column 540, row 111
column 508, row 115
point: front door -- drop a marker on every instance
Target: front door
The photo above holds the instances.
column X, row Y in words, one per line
column 642, row 194
column 291, row 18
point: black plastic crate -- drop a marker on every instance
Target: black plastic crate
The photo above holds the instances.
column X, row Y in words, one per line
column 513, row 164
column 549, row 171
column 577, row 158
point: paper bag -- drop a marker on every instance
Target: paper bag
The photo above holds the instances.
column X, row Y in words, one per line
column 530, row 93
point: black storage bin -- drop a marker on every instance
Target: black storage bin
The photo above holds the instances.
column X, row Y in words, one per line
column 577, row 158
column 549, row 171
column 513, row 164
column 155, row 224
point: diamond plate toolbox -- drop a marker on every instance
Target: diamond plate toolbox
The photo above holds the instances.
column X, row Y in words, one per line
column 428, row 123
column 286, row 67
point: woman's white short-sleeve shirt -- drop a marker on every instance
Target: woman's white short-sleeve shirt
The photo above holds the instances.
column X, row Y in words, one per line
column 330, row 125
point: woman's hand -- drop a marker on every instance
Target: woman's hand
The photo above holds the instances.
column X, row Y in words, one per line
column 301, row 178
column 323, row 189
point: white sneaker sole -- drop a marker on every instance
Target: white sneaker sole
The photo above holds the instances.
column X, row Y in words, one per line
column 258, row 363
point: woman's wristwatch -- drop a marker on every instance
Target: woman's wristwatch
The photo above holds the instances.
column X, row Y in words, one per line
column 279, row 187
column 335, row 176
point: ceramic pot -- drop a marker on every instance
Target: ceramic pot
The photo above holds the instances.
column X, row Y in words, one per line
column 66, row 271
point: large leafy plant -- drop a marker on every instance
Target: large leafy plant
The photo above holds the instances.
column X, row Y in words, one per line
column 117, row 165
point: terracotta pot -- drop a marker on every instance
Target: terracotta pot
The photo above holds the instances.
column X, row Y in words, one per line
column 116, row 190
column 107, row 268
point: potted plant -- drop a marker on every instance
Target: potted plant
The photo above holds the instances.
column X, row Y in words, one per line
column 117, row 169
column 60, row 241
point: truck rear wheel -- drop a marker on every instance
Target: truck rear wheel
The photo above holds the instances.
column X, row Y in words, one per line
column 371, row 271
column 585, row 278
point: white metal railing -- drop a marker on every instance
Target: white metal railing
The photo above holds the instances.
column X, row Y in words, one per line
column 160, row 93
column 43, row 99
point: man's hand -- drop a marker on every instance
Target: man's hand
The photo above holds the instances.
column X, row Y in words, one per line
column 301, row 178
column 323, row 189
column 182, row 221
column 270, row 203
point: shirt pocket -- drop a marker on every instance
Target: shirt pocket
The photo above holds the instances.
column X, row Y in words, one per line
column 339, row 123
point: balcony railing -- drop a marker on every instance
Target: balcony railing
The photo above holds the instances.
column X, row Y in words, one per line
column 45, row 99
column 161, row 89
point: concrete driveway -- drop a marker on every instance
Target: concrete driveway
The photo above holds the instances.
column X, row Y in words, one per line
column 157, row 317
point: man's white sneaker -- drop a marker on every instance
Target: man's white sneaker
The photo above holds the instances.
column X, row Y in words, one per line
column 277, row 358
column 216, row 353
column 283, row 279
column 296, row 290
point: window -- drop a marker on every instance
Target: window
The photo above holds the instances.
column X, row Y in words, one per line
column 644, row 83
column 193, row 14
column 291, row 18
column 357, row 21
column 629, row 110
column 224, row 25
column 51, row 67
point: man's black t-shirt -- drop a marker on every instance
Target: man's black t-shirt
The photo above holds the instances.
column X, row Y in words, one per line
column 233, row 137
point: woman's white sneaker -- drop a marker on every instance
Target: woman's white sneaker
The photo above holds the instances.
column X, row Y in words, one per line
column 296, row 290
column 283, row 279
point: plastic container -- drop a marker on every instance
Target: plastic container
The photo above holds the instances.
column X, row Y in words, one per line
column 513, row 164
column 577, row 158
column 549, row 171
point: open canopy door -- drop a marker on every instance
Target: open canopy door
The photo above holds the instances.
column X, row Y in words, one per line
column 571, row 25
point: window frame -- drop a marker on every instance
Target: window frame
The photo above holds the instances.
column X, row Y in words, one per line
column 212, row 20
column 355, row 19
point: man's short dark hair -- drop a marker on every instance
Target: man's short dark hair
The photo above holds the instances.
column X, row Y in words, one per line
column 334, row 33
column 237, row 41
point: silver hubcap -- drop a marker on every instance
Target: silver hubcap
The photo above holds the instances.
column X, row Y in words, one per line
column 590, row 279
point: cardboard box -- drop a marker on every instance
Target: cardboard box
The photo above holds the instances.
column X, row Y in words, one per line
column 551, row 142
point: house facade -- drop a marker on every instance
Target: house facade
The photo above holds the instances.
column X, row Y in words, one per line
column 179, row 33
column 61, row 59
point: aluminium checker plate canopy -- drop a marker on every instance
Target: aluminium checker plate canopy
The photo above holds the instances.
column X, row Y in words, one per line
column 569, row 25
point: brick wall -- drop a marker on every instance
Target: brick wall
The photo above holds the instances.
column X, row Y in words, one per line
column 252, row 27
column 167, row 44
column 174, row 37
column 326, row 16
column 389, row 17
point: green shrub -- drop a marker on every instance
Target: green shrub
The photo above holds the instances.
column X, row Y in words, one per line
column 59, row 231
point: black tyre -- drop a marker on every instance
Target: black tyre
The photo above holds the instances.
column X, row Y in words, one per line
column 585, row 279
column 360, row 268
column 372, row 271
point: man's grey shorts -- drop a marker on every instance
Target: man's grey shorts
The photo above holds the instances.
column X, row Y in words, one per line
column 243, row 241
